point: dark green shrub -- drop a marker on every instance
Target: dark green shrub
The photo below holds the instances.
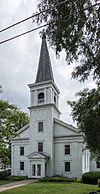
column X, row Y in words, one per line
column 91, row 177
column 17, row 178
column 57, row 179
column 4, row 174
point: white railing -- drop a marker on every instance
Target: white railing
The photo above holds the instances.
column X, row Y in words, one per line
column 40, row 101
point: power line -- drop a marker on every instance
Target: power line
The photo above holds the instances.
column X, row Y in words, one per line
column 14, row 37
column 44, row 25
column 21, row 21
column 15, row 24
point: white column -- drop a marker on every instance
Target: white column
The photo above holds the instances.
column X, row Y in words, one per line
column 12, row 159
column 45, row 96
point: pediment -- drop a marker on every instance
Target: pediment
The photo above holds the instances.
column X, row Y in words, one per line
column 38, row 155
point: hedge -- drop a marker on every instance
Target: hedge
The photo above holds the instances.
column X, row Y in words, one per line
column 57, row 179
column 91, row 177
column 17, row 178
column 5, row 175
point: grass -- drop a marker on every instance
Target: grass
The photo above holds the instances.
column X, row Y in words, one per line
column 2, row 182
column 53, row 188
column 11, row 179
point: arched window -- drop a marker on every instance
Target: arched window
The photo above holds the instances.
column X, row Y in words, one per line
column 41, row 97
column 55, row 99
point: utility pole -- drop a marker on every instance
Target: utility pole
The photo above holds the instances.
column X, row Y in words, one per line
column 1, row 89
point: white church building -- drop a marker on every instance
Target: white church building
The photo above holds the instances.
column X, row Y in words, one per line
column 48, row 146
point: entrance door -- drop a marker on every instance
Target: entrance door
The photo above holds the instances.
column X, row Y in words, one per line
column 36, row 170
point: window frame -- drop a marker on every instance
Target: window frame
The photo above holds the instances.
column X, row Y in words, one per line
column 66, row 149
column 40, row 126
column 98, row 164
column 66, row 168
column 22, row 165
column 40, row 100
column 21, row 150
column 39, row 146
column 55, row 99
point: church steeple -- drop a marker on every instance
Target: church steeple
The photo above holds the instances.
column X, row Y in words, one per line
column 44, row 72
column 44, row 91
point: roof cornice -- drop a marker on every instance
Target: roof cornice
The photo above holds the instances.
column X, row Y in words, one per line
column 33, row 85
column 44, row 106
column 72, row 128
column 22, row 129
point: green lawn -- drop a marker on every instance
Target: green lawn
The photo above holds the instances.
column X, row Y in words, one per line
column 2, row 182
column 53, row 188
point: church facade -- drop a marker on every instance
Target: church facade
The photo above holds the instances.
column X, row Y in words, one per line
column 48, row 146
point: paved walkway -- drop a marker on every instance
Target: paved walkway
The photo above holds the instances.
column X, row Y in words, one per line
column 15, row 184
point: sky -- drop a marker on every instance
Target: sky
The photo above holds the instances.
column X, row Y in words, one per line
column 19, row 60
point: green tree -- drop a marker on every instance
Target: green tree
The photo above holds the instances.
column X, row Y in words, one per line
column 74, row 27
column 11, row 120
column 86, row 111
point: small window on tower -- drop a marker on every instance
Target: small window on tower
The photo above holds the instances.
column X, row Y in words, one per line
column 21, row 165
column 55, row 99
column 41, row 97
column 67, row 149
column 21, row 151
column 40, row 126
column 40, row 147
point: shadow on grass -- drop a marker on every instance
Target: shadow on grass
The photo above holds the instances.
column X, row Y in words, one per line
column 98, row 191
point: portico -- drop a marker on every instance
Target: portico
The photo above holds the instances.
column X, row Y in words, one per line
column 38, row 165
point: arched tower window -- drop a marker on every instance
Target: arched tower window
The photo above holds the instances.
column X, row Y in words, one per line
column 55, row 99
column 41, row 97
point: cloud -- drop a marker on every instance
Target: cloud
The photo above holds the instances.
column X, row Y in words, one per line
column 19, row 59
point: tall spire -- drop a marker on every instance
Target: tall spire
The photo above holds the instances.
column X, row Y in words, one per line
column 44, row 72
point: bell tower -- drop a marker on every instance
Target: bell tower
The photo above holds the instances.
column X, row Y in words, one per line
column 44, row 100
column 44, row 90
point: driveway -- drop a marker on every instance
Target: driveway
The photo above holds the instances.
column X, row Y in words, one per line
column 16, row 184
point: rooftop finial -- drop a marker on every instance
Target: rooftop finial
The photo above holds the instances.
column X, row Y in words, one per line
column 43, row 34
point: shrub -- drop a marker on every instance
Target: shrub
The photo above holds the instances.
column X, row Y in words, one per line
column 57, row 179
column 91, row 177
column 17, row 178
column 4, row 174
column 78, row 180
column 98, row 182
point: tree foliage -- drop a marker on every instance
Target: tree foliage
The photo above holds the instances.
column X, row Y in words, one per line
column 86, row 111
column 74, row 27
column 11, row 120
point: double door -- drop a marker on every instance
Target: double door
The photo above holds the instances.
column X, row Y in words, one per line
column 36, row 170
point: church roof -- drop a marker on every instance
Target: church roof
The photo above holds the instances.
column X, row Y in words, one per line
column 44, row 72
column 60, row 122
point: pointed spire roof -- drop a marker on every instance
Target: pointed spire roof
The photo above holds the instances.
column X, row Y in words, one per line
column 44, row 72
